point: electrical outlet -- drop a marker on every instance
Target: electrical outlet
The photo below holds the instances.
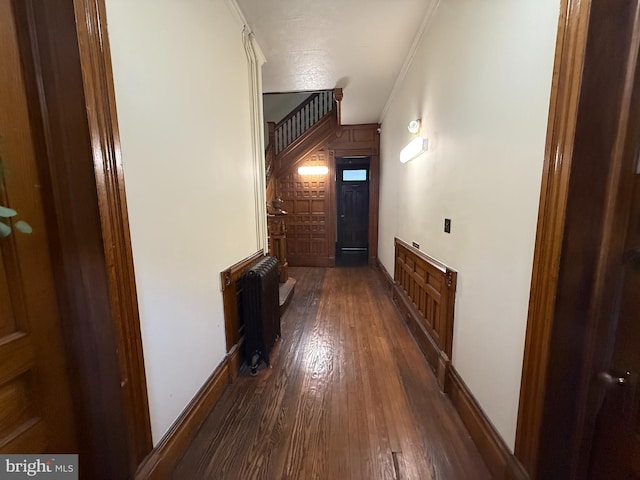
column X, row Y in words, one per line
column 416, row 245
column 447, row 225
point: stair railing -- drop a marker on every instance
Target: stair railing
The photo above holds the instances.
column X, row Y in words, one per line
column 303, row 117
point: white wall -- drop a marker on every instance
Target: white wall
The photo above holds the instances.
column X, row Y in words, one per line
column 183, row 100
column 480, row 80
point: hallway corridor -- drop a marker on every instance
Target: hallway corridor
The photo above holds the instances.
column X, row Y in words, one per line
column 349, row 397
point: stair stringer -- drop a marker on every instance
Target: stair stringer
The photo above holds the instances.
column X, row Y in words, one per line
column 311, row 140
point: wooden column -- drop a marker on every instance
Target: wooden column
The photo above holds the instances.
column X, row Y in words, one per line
column 278, row 243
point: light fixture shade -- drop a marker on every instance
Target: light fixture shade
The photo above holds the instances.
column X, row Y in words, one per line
column 414, row 126
column 313, row 170
column 414, row 148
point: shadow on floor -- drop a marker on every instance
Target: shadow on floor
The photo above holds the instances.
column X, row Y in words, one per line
column 352, row 258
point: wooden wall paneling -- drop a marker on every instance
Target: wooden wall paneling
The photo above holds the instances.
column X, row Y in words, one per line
column 232, row 328
column 307, row 199
column 424, row 290
column 313, row 139
column 311, row 237
column 332, row 210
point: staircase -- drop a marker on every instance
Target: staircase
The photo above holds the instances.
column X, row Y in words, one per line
column 307, row 126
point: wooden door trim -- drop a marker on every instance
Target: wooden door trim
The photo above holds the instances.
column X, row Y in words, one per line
column 565, row 93
column 615, row 224
column 105, row 144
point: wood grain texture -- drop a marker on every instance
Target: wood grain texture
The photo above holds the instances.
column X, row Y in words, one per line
column 317, row 247
column 349, row 397
column 496, row 454
column 228, row 280
column 424, row 290
column 307, row 200
column 595, row 63
column 165, row 456
column 97, row 78
column 565, row 93
column 311, row 140
column 65, row 54
column 386, row 277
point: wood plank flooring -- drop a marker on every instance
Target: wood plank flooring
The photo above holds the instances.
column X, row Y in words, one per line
column 349, row 397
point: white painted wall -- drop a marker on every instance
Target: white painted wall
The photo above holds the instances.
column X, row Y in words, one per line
column 183, row 99
column 480, row 80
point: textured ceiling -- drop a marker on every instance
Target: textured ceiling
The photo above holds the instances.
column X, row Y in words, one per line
column 359, row 45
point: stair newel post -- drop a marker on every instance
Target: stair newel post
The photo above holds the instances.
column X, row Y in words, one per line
column 337, row 94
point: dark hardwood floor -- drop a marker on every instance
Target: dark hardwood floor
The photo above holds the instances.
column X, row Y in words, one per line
column 349, row 397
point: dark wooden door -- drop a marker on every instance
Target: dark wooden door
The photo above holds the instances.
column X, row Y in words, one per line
column 616, row 452
column 353, row 211
column 36, row 414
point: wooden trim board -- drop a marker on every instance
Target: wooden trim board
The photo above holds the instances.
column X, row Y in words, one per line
column 388, row 280
column 501, row 462
column 164, row 458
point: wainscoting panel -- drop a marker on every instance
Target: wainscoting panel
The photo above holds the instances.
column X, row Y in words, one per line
column 424, row 290
column 234, row 330
column 307, row 202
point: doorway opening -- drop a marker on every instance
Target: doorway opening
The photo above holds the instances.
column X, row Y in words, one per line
column 352, row 187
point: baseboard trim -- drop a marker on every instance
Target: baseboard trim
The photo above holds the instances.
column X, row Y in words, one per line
column 388, row 279
column 501, row 462
column 164, row 458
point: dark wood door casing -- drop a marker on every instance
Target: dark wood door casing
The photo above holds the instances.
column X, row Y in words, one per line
column 577, row 236
column 64, row 46
column 37, row 414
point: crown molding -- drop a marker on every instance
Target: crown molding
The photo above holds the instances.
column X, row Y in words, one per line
column 417, row 40
column 241, row 19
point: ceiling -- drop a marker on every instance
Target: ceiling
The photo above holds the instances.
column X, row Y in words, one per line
column 359, row 45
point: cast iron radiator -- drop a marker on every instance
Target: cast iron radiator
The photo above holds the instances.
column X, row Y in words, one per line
column 260, row 311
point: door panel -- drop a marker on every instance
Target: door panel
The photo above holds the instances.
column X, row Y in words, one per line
column 353, row 209
column 617, row 436
column 354, row 215
column 35, row 400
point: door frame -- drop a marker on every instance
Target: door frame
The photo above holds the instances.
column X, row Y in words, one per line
column 95, row 56
column 90, row 230
column 547, row 290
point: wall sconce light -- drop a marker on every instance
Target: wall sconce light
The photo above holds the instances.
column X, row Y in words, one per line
column 414, row 126
column 313, row 170
column 414, row 148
